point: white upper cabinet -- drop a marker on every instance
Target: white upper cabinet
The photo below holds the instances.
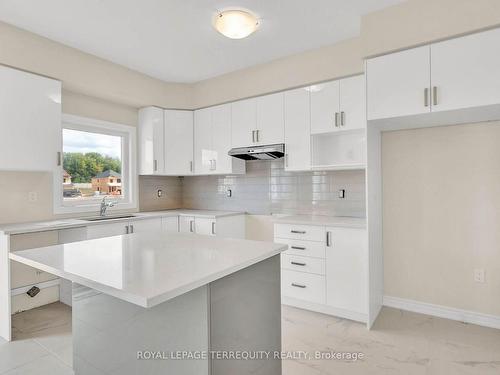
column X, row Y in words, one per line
column 399, row 84
column 270, row 128
column 244, row 122
column 165, row 142
column 203, row 153
column 30, row 122
column 352, row 103
column 297, row 130
column 465, row 72
column 258, row 121
column 151, row 138
column 212, row 142
column 338, row 105
column 325, row 107
column 178, row 142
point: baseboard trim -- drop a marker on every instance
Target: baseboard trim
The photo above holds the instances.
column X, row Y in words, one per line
column 324, row 309
column 465, row 316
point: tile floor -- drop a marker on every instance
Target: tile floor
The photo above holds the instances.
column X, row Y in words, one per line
column 400, row 343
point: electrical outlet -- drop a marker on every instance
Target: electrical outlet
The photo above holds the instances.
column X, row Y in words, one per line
column 32, row 196
column 159, row 193
column 229, row 193
column 479, row 275
column 341, row 193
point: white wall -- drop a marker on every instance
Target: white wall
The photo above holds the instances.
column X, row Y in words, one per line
column 441, row 194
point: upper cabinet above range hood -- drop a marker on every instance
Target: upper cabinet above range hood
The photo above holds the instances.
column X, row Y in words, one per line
column 267, row 152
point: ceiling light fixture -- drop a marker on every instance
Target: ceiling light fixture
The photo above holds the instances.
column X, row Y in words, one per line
column 235, row 24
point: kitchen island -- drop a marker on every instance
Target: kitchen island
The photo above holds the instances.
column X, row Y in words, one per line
column 157, row 303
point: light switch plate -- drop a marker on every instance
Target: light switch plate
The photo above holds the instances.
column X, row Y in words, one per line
column 479, row 275
column 32, row 196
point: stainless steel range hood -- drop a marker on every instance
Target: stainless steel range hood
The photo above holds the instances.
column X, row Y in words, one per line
column 268, row 152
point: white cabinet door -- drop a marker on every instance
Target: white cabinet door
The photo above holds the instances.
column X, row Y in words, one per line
column 325, row 110
column 352, row 103
column 106, row 230
column 203, row 153
column 297, row 130
column 186, row 224
column 221, row 138
column 151, row 138
column 145, row 225
column 346, row 269
column 270, row 119
column 243, row 123
column 466, row 71
column 178, row 142
column 170, row 223
column 30, row 121
column 205, row 226
column 398, row 84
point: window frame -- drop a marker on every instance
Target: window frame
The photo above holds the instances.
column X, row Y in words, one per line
column 129, row 166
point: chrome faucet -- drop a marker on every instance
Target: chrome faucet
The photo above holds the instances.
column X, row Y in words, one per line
column 105, row 205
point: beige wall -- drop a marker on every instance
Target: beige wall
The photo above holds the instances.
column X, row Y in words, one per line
column 342, row 59
column 441, row 194
column 417, row 22
column 86, row 74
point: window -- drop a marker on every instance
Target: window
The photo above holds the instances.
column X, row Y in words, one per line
column 98, row 160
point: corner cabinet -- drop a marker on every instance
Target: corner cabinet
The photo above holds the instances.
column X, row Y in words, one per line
column 212, row 142
column 30, row 122
column 165, row 142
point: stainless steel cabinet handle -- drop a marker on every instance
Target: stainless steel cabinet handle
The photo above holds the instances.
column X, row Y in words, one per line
column 257, row 135
column 342, row 118
column 286, row 160
column 59, row 159
column 213, row 227
column 155, row 165
column 131, row 228
column 336, row 119
column 191, row 166
column 298, row 231
column 191, row 229
column 426, row 97
column 215, row 164
column 328, row 239
column 434, row 95
column 298, row 264
column 298, row 285
column 297, row 247
column 127, row 229
column 253, row 136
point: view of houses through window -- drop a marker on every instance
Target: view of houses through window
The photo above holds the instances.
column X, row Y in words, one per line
column 92, row 165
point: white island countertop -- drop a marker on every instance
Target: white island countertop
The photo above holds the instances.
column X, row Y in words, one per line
column 148, row 268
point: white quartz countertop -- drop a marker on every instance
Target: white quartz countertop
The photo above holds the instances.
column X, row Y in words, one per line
column 81, row 222
column 148, row 268
column 331, row 221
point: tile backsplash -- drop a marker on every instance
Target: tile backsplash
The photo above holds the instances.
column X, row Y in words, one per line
column 267, row 188
column 171, row 188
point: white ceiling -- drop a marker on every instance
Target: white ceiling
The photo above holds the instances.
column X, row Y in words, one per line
column 173, row 40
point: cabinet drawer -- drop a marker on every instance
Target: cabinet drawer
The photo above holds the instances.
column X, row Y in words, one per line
column 300, row 232
column 303, row 248
column 304, row 286
column 303, row 264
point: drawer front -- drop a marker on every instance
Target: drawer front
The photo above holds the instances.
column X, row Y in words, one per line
column 300, row 232
column 303, row 264
column 303, row 248
column 304, row 286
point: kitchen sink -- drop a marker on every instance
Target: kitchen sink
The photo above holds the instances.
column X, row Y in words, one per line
column 100, row 218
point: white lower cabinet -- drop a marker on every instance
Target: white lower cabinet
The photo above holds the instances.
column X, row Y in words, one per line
column 170, row 223
column 145, row 225
column 106, row 230
column 204, row 226
column 186, row 224
column 324, row 269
